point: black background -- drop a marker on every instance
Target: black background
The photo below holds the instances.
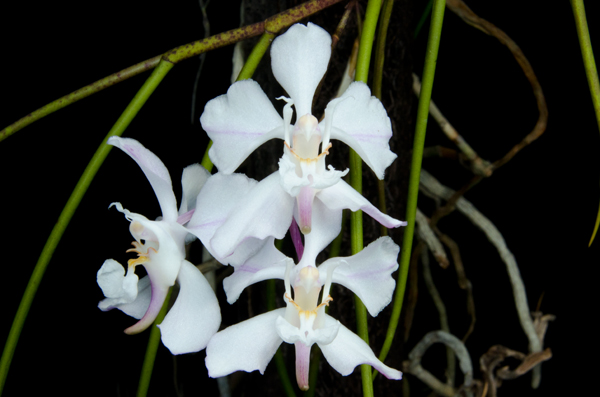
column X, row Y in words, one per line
column 544, row 201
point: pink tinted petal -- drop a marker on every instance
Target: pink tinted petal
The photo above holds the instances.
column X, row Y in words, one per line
column 155, row 171
column 265, row 210
column 368, row 274
column 268, row 263
column 302, row 364
column 247, row 346
column 239, row 122
column 341, row 195
column 299, row 59
column 348, row 350
column 360, row 121
column 297, row 239
column 305, row 202
column 159, row 293
column 195, row 317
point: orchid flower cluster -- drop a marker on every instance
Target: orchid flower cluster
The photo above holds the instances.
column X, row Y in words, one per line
column 238, row 219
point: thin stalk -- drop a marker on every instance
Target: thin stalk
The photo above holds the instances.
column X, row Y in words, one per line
column 356, row 225
column 433, row 44
column 153, row 342
column 67, row 213
column 384, row 23
column 590, row 71
column 270, row 25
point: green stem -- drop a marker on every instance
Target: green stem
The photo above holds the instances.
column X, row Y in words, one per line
column 437, row 18
column 356, row 226
column 384, row 23
column 67, row 213
column 255, row 56
column 271, row 25
column 79, row 94
column 151, row 350
column 590, row 71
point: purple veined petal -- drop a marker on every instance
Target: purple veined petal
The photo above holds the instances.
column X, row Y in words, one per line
column 195, row 316
column 326, row 225
column 299, row 60
column 238, row 123
column 341, row 195
column 155, row 171
column 360, row 121
column 268, row 263
column 348, row 350
column 192, row 179
column 247, row 346
column 368, row 274
column 265, row 210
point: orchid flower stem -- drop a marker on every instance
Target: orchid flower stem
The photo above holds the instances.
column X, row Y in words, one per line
column 384, row 22
column 590, row 70
column 271, row 25
column 437, row 18
column 356, row 225
column 247, row 71
column 153, row 342
column 67, row 213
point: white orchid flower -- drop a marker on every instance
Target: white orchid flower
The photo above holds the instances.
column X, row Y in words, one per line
column 236, row 215
column 244, row 118
column 250, row 345
column 160, row 247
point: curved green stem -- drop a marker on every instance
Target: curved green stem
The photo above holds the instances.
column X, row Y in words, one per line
column 79, row 94
column 590, row 71
column 437, row 18
column 271, row 25
column 153, row 342
column 67, row 213
column 356, row 226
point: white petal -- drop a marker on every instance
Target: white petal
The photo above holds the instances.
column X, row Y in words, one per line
column 299, row 59
column 247, row 346
column 221, row 195
column 268, row 263
column 139, row 306
column 195, row 317
column 326, row 225
column 368, row 274
column 292, row 334
column 360, row 121
column 117, row 288
column 265, row 210
column 239, row 122
column 341, row 195
column 155, row 171
column 192, row 179
column 348, row 350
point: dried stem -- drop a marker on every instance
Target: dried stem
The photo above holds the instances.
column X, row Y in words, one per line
column 413, row 365
column 431, row 187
